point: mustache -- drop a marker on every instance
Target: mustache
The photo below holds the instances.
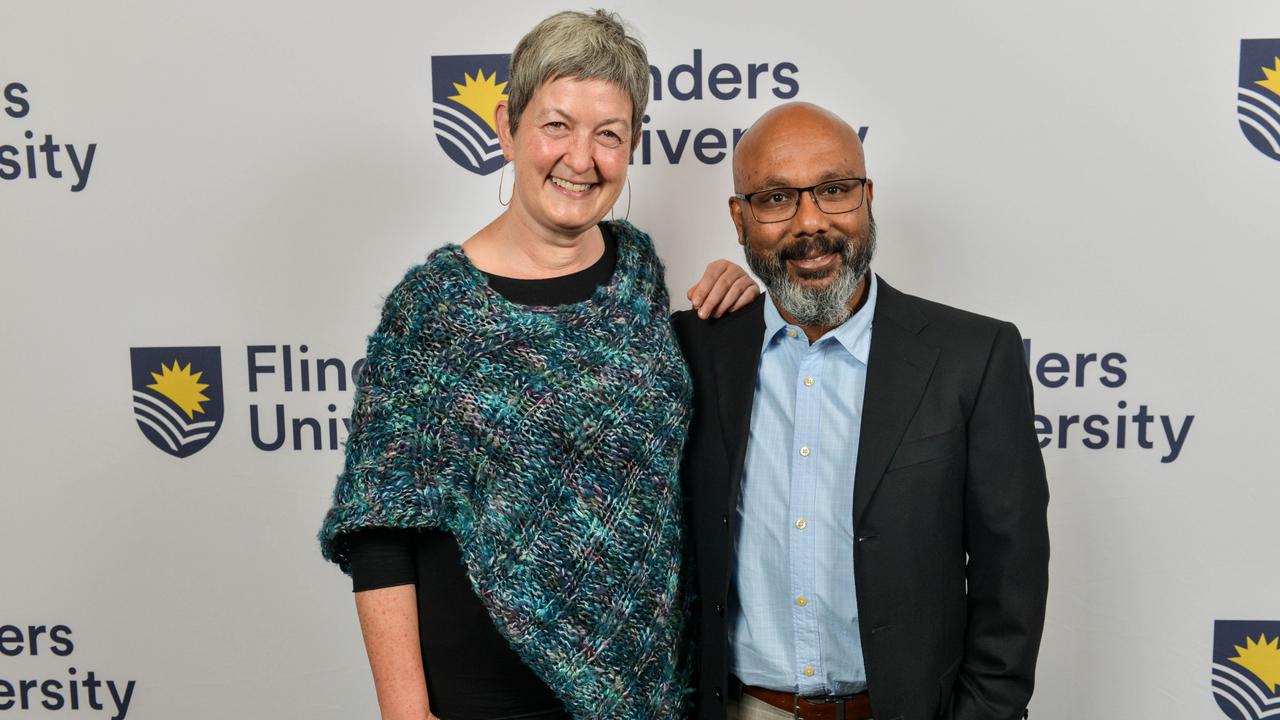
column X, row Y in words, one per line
column 813, row 246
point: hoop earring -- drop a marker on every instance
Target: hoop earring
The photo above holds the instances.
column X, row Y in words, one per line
column 502, row 175
column 628, row 213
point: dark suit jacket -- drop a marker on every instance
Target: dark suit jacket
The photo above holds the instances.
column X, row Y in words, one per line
column 951, row 551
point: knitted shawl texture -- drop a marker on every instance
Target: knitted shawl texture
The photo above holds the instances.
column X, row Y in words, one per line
column 548, row 441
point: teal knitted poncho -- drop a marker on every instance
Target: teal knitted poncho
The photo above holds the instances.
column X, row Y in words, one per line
column 547, row 440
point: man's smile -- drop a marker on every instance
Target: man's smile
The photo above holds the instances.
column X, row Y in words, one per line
column 814, row 262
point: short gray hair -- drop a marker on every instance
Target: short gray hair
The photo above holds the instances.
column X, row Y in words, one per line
column 585, row 46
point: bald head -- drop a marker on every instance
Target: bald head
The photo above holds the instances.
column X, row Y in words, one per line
column 791, row 136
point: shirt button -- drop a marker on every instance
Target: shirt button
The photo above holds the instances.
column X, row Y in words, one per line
column 802, row 601
column 791, row 333
column 808, row 671
column 808, row 382
column 801, row 524
column 804, row 452
column 725, row 519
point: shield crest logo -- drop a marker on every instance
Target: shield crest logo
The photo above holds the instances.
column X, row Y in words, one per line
column 1258, row 95
column 1246, row 668
column 465, row 90
column 177, row 396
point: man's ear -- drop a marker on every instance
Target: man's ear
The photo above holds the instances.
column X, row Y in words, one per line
column 502, row 118
column 735, row 214
column 871, row 190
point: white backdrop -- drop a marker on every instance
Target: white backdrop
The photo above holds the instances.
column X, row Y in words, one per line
column 264, row 172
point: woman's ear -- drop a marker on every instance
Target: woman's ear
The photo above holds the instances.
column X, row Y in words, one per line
column 502, row 118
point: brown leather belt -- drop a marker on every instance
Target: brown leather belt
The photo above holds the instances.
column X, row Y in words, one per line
column 847, row 707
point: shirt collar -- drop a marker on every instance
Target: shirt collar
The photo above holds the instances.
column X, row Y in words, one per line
column 854, row 334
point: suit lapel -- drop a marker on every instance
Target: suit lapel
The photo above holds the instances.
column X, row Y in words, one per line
column 898, row 369
column 737, row 352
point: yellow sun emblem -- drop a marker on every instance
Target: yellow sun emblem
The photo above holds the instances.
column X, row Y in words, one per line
column 1261, row 658
column 1272, row 82
column 481, row 95
column 182, row 387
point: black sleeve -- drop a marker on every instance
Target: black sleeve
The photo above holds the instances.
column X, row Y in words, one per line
column 1007, row 540
column 382, row 557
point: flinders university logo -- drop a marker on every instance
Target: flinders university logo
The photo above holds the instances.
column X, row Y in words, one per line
column 1246, row 668
column 466, row 89
column 177, row 396
column 1258, row 98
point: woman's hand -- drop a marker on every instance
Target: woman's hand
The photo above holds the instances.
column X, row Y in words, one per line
column 724, row 287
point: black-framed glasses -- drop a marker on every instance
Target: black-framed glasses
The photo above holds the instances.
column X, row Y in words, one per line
column 781, row 204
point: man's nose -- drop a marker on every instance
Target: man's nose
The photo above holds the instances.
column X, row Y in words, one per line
column 809, row 217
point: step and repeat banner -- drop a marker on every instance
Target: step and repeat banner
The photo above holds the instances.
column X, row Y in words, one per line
column 203, row 204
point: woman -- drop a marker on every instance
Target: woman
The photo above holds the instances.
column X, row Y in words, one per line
column 510, row 506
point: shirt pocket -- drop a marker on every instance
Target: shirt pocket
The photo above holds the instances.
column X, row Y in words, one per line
column 928, row 448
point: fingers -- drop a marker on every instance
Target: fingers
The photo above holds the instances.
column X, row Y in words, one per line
column 749, row 291
column 724, row 287
column 739, row 295
column 711, row 305
column 698, row 293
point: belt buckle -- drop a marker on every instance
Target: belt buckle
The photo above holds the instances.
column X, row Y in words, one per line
column 837, row 700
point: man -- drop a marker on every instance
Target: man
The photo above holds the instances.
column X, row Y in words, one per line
column 867, row 496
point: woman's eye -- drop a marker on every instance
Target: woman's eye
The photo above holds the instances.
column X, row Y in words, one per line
column 610, row 138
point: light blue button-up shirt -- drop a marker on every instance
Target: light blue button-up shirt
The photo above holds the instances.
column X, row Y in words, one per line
column 793, row 613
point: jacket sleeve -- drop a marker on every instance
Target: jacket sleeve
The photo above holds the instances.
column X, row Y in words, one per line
column 1006, row 539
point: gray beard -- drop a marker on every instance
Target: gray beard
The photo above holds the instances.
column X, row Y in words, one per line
column 826, row 306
